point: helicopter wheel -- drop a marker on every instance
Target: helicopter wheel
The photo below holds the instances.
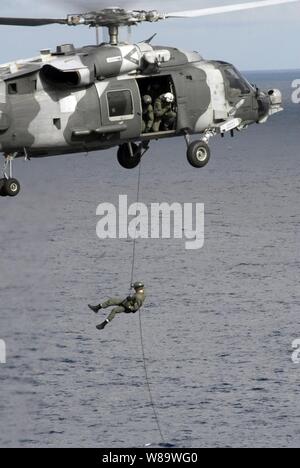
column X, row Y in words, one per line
column 198, row 154
column 125, row 158
column 11, row 187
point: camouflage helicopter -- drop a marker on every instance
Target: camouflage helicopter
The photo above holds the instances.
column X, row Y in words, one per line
column 87, row 99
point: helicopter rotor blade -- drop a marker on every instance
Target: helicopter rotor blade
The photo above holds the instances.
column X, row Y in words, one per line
column 227, row 9
column 120, row 17
column 31, row 21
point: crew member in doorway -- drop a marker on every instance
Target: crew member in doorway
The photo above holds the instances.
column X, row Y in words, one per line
column 148, row 114
column 164, row 115
column 130, row 305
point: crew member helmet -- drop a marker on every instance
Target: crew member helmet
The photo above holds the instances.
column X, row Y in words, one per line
column 138, row 285
column 169, row 97
column 147, row 99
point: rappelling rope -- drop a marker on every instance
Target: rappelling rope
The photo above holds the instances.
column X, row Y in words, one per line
column 152, row 403
column 148, row 383
column 134, row 240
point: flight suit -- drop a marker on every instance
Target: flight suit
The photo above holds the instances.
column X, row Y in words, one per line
column 131, row 305
column 163, row 114
column 148, row 118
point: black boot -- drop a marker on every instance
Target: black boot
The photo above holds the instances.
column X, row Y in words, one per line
column 102, row 325
column 95, row 308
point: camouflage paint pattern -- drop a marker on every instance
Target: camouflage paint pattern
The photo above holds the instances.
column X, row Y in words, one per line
column 58, row 103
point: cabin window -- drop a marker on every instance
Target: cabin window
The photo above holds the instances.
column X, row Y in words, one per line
column 236, row 80
column 23, row 86
column 12, row 88
column 120, row 105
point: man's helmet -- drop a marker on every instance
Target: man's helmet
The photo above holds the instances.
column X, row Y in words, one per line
column 169, row 97
column 147, row 99
column 138, row 285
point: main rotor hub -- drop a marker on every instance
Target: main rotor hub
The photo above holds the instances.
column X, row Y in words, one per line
column 113, row 19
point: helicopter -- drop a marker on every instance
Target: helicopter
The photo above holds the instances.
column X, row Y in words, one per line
column 79, row 100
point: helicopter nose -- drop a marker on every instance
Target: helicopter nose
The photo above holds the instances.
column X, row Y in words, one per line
column 275, row 96
column 269, row 103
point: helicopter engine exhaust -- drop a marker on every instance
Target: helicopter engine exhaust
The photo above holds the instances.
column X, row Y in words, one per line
column 105, row 62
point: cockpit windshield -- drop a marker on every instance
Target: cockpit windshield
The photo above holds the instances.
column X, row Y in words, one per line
column 236, row 80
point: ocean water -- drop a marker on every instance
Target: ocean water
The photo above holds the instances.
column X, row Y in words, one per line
column 218, row 323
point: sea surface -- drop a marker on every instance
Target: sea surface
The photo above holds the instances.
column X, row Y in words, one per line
column 218, row 324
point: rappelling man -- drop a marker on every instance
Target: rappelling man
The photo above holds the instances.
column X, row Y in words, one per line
column 130, row 305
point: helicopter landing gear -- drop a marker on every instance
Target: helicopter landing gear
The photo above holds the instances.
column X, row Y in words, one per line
column 8, row 185
column 198, row 152
column 12, row 187
column 130, row 154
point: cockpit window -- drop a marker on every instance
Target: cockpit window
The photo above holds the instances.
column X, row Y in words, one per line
column 236, row 80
